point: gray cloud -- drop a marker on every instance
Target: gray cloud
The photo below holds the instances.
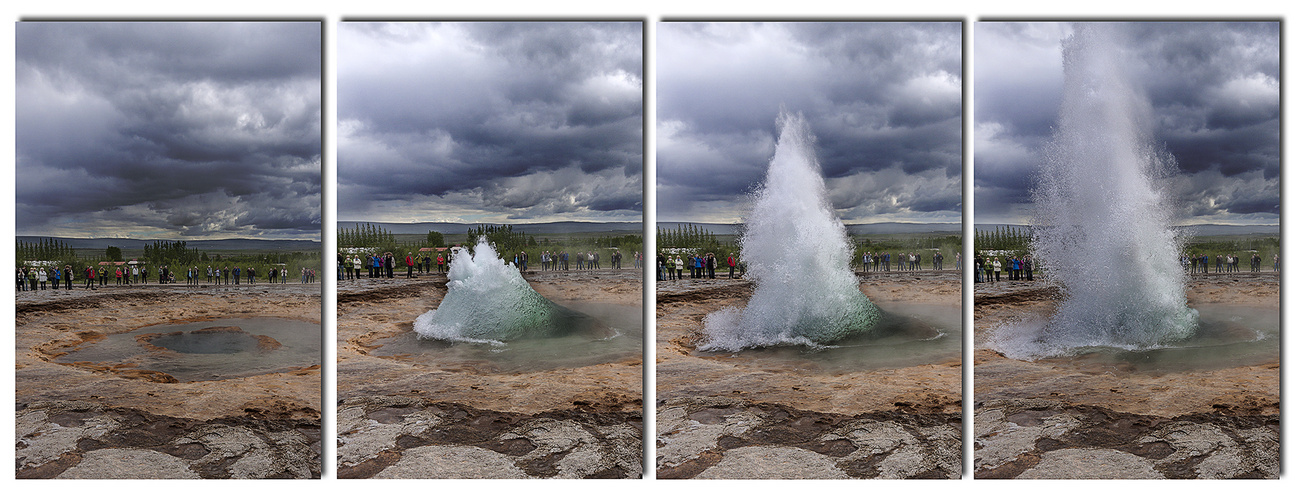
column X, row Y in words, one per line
column 490, row 122
column 883, row 99
column 1214, row 91
column 164, row 130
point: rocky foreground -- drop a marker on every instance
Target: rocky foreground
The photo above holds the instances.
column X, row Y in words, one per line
column 725, row 417
column 1071, row 421
column 403, row 419
column 109, row 422
column 397, row 437
column 728, row 438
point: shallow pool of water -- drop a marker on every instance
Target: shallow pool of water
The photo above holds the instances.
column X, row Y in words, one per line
column 209, row 350
column 907, row 334
column 1227, row 337
column 615, row 335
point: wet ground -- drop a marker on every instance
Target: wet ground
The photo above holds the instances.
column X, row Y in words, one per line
column 724, row 416
column 100, row 420
column 1079, row 419
column 425, row 417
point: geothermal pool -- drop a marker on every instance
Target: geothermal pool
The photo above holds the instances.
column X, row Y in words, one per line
column 1226, row 337
column 604, row 333
column 208, row 350
column 906, row 334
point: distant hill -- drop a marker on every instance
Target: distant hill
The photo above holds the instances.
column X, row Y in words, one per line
column 536, row 228
column 874, row 228
column 1197, row 229
column 204, row 245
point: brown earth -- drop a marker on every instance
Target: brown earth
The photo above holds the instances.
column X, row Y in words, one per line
column 397, row 416
column 1036, row 418
column 259, row 426
column 722, row 417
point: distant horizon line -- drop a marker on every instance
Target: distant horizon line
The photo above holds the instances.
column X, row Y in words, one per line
column 160, row 239
column 497, row 223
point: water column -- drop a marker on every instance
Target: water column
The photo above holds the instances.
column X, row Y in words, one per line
column 798, row 254
column 1102, row 229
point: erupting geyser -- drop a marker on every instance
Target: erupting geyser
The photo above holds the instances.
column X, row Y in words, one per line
column 798, row 255
column 489, row 301
column 1102, row 229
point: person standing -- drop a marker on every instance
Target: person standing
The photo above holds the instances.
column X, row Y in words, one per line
column 409, row 265
column 731, row 263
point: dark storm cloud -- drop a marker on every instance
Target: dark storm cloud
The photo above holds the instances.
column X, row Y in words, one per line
column 164, row 130
column 1213, row 87
column 490, row 122
column 883, row 100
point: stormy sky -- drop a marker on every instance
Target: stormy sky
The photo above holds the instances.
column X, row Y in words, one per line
column 490, row 122
column 186, row 130
column 1214, row 93
column 883, row 99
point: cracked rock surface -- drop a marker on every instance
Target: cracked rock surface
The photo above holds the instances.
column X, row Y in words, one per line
column 89, row 421
column 402, row 418
column 1069, row 420
column 721, row 416
column 730, row 438
column 405, row 437
column 77, row 440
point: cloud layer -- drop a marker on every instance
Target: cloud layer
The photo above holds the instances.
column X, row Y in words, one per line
column 883, row 99
column 491, row 122
column 168, row 130
column 1214, row 90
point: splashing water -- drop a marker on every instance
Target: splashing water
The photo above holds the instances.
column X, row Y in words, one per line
column 488, row 301
column 1102, row 228
column 798, row 255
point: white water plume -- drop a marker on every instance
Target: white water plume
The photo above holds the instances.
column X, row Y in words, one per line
column 488, row 301
column 798, row 254
column 1103, row 230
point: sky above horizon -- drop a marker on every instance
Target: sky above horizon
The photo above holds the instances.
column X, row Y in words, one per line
column 490, row 122
column 168, row 130
column 1213, row 89
column 884, row 100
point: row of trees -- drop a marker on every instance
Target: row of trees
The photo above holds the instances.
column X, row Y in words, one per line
column 503, row 237
column 688, row 239
column 507, row 240
column 686, row 236
column 1012, row 238
column 366, row 236
column 171, row 251
column 47, row 249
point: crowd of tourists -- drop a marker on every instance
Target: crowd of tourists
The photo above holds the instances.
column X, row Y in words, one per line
column 386, row 265
column 700, row 266
column 885, row 262
column 1224, row 264
column 39, row 278
column 989, row 268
